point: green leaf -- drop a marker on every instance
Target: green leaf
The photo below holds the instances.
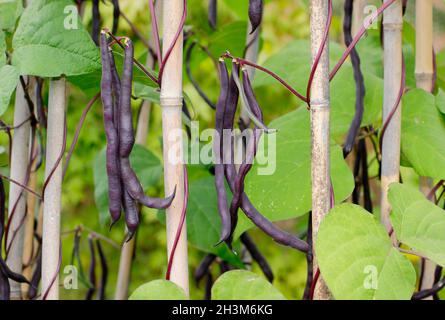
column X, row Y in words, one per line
column 145, row 92
column 440, row 101
column 240, row 8
column 203, row 221
column 9, row 77
column 417, row 222
column 357, row 259
column 422, row 127
column 2, row 49
column 244, row 285
column 230, row 38
column 10, row 10
column 158, row 290
column 441, row 69
column 91, row 82
column 146, row 165
column 50, row 31
column 284, row 192
column 296, row 70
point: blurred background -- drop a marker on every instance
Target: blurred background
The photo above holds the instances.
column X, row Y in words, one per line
column 283, row 22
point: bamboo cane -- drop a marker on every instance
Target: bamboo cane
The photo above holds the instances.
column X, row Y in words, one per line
column 320, row 111
column 171, row 103
column 392, row 24
column 127, row 251
column 51, row 254
column 424, row 80
column 28, row 245
column 359, row 15
column 17, row 198
column 424, row 44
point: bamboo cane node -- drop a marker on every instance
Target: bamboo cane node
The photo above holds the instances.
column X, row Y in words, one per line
column 320, row 105
column 171, row 101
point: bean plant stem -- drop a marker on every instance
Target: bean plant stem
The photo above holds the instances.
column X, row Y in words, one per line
column 320, row 112
column 171, row 104
column 17, row 198
column 52, row 204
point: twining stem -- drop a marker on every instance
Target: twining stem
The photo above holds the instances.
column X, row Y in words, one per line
column 244, row 62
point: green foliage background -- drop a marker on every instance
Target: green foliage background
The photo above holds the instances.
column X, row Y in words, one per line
column 283, row 23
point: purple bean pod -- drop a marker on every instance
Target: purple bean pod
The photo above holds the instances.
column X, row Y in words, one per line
column 257, row 256
column 255, row 13
column 223, row 208
column 112, row 162
column 131, row 215
column 213, row 13
column 104, row 269
column 360, row 90
column 92, row 270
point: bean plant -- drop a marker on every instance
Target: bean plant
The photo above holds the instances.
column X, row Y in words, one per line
column 329, row 147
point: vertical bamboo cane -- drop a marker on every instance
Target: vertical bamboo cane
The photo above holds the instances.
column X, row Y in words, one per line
column 320, row 111
column 171, row 103
column 127, row 251
column 359, row 15
column 424, row 79
column 424, row 44
column 53, row 193
column 28, row 243
column 17, row 198
column 392, row 24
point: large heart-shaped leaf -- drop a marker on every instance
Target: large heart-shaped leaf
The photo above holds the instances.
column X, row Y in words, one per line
column 146, row 165
column 91, row 82
column 244, row 285
column 417, row 222
column 145, row 92
column 51, row 31
column 284, row 191
column 230, row 38
column 203, row 221
column 10, row 10
column 423, row 125
column 357, row 259
column 9, row 77
column 158, row 290
column 441, row 69
column 440, row 101
column 296, row 69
